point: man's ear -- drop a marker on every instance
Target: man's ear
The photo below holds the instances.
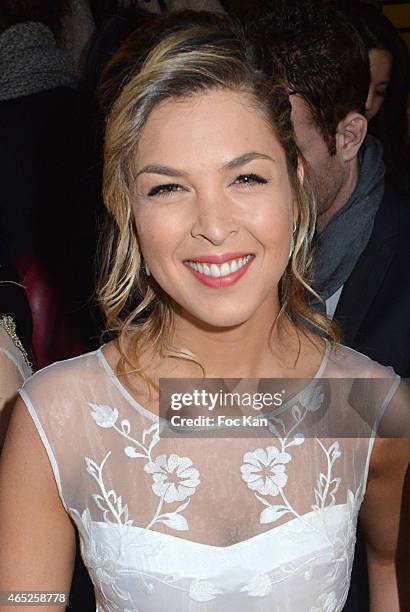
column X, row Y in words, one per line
column 351, row 131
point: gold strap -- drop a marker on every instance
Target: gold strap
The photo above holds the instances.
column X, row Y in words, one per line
column 8, row 324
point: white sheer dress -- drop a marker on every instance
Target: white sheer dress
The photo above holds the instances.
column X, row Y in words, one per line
column 211, row 524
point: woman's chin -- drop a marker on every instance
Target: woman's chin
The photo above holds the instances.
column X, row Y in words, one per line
column 215, row 319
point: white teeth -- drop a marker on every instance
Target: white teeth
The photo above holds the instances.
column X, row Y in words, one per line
column 217, row 271
column 225, row 269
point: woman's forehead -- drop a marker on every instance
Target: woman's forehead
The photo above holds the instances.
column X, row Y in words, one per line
column 215, row 124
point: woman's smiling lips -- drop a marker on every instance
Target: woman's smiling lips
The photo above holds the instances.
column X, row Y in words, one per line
column 219, row 270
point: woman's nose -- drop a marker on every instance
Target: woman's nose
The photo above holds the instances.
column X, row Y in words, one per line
column 215, row 219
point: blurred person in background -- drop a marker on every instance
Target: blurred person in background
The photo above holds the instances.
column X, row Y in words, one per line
column 40, row 217
column 39, row 213
column 15, row 341
column 386, row 104
column 78, row 27
column 103, row 9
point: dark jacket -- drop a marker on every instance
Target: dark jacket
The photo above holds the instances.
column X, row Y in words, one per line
column 374, row 314
column 374, row 307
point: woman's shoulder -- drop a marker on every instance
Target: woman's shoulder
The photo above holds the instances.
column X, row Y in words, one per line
column 58, row 396
column 345, row 362
column 68, row 375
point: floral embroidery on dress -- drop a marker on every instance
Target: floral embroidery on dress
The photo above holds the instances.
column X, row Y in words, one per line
column 175, row 479
column 107, row 501
column 164, row 468
column 259, row 586
column 328, row 603
column 312, row 397
column 264, row 470
column 106, row 417
column 203, row 590
column 103, row 560
column 326, row 486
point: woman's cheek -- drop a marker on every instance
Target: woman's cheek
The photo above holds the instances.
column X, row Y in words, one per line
column 160, row 234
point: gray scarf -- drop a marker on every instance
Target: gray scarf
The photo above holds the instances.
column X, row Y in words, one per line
column 342, row 241
column 30, row 61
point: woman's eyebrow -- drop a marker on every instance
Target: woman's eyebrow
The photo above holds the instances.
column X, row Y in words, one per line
column 245, row 158
column 156, row 169
column 233, row 163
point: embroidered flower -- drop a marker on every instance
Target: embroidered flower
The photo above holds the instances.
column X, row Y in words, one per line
column 264, row 470
column 345, row 535
column 101, row 558
column 203, row 590
column 311, row 398
column 174, row 477
column 104, row 416
column 259, row 586
column 328, row 603
column 105, row 561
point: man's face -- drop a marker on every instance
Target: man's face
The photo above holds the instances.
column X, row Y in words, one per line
column 328, row 171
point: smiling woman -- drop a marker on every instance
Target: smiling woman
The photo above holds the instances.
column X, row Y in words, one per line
column 231, row 223
column 199, row 118
column 205, row 272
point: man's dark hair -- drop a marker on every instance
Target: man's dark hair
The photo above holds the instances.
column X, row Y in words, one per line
column 321, row 54
column 49, row 12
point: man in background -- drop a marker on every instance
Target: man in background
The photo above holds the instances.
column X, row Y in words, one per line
column 362, row 264
column 363, row 247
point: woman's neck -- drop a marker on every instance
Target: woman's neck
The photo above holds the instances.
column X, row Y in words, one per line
column 260, row 348
column 266, row 346
column 234, row 352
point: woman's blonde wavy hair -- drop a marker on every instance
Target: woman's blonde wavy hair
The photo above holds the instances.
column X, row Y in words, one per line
column 186, row 63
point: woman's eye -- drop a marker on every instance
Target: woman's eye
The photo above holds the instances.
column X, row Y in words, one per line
column 250, row 179
column 164, row 190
